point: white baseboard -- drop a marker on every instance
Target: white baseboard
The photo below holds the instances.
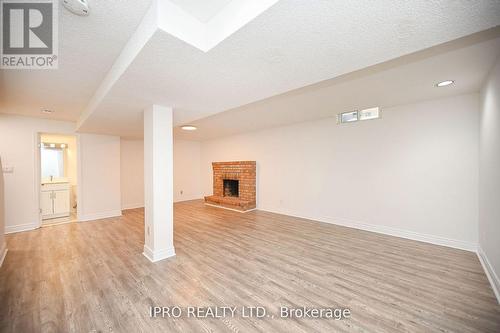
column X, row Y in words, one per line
column 133, row 206
column 437, row 240
column 141, row 205
column 158, row 255
column 3, row 254
column 10, row 229
column 490, row 272
column 188, row 198
column 99, row 216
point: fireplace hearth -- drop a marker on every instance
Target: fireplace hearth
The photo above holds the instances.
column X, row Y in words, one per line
column 234, row 185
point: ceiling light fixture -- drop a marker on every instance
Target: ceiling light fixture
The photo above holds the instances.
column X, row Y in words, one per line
column 78, row 7
column 444, row 83
column 189, row 128
column 47, row 111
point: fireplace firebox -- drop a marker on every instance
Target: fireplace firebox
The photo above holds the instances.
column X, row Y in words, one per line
column 231, row 188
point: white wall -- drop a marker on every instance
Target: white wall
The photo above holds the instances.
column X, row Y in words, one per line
column 99, row 188
column 98, row 168
column 132, row 173
column 413, row 173
column 489, row 178
column 187, row 178
column 18, row 150
column 3, row 247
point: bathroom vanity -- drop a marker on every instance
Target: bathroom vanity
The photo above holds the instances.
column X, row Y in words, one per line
column 55, row 199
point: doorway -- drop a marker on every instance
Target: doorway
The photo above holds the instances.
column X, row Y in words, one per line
column 57, row 178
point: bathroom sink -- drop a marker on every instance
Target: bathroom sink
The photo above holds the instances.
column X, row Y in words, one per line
column 55, row 181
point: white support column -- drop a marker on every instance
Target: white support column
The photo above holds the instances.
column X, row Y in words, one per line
column 158, row 183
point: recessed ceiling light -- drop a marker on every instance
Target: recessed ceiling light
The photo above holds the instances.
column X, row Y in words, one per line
column 189, row 128
column 444, row 83
column 47, row 111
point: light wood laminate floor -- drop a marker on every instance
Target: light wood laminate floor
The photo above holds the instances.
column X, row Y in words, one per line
column 92, row 276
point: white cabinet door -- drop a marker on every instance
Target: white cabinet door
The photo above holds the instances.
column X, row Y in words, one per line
column 61, row 203
column 46, row 203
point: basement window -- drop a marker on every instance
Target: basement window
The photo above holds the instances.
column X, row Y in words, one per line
column 352, row 116
column 348, row 117
column 371, row 113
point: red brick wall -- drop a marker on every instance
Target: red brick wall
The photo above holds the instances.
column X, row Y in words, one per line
column 243, row 171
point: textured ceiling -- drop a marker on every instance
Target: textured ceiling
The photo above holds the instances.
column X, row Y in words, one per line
column 106, row 82
column 291, row 45
column 405, row 80
column 202, row 10
column 88, row 46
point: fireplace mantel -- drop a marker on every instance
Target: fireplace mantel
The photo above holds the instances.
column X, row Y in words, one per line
column 242, row 171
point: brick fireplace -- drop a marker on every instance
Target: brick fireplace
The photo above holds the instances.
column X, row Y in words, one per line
column 233, row 185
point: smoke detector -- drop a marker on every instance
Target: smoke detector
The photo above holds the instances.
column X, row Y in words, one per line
column 78, row 7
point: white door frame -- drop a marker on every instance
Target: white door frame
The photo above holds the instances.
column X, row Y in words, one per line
column 38, row 172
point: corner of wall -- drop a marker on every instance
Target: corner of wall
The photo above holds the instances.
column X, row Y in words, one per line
column 489, row 180
column 490, row 273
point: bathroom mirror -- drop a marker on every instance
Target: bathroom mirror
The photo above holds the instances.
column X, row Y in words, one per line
column 52, row 160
